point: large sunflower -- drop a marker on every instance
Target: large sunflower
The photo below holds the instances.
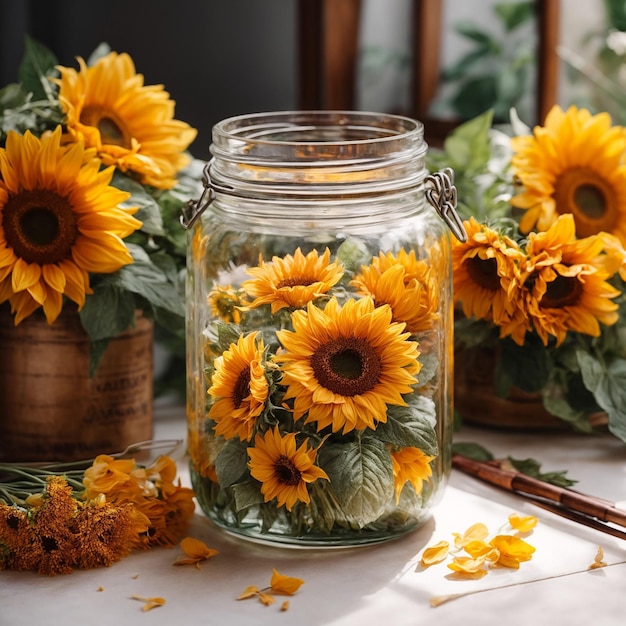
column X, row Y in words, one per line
column 406, row 284
column 59, row 220
column 240, row 387
column 292, row 281
column 568, row 282
column 485, row 273
column 130, row 124
column 344, row 366
column 574, row 164
column 283, row 469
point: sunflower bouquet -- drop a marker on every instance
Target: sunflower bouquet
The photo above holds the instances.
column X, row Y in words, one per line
column 321, row 421
column 539, row 283
column 93, row 171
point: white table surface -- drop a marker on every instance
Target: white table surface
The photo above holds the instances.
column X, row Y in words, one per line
column 380, row 584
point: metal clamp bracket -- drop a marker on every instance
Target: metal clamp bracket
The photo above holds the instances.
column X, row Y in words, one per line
column 441, row 194
column 193, row 209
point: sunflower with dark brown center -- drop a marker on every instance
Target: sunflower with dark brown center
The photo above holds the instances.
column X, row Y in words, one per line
column 574, row 165
column 130, row 124
column 343, row 367
column 59, row 221
column 292, row 281
column 567, row 280
column 283, row 468
column 486, row 273
column 240, row 388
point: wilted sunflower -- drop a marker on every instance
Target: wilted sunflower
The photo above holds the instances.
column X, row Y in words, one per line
column 485, row 273
column 410, row 465
column 240, row 388
column 569, row 288
column 130, row 124
column 59, row 220
column 292, row 281
column 344, row 366
column 574, row 164
column 283, row 468
column 406, row 284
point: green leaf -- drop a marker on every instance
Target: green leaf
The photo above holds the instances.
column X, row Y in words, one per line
column 475, row 96
column 467, row 147
column 36, row 66
column 528, row 366
column 107, row 312
column 514, row 14
column 411, row 426
column 532, row 468
column 145, row 279
column 231, row 462
column 247, row 495
column 608, row 386
column 471, row 32
column 361, row 476
column 149, row 211
column 465, row 64
column 472, row 451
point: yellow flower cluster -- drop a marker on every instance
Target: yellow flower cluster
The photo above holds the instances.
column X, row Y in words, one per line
column 474, row 553
column 123, row 507
column 341, row 366
column 152, row 492
column 553, row 284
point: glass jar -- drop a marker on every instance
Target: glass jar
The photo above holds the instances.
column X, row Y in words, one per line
column 319, row 338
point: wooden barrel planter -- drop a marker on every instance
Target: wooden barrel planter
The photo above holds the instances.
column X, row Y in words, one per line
column 51, row 410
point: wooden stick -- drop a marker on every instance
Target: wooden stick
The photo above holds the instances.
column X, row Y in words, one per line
column 591, row 506
column 574, row 516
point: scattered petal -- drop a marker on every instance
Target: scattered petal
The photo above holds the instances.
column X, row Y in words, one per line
column 482, row 549
column 100, row 588
column 150, row 603
column 196, row 552
column 467, row 567
column 522, row 524
column 285, row 605
column 476, row 532
column 285, row 584
column 599, row 559
column 513, row 550
column 435, row 554
column 248, row 592
column 266, row 599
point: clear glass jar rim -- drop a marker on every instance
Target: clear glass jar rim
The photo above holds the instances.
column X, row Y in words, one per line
column 304, row 135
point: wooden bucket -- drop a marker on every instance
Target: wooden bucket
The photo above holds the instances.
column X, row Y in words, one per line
column 50, row 410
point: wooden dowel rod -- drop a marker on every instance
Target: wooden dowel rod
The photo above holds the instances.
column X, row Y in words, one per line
column 567, row 498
